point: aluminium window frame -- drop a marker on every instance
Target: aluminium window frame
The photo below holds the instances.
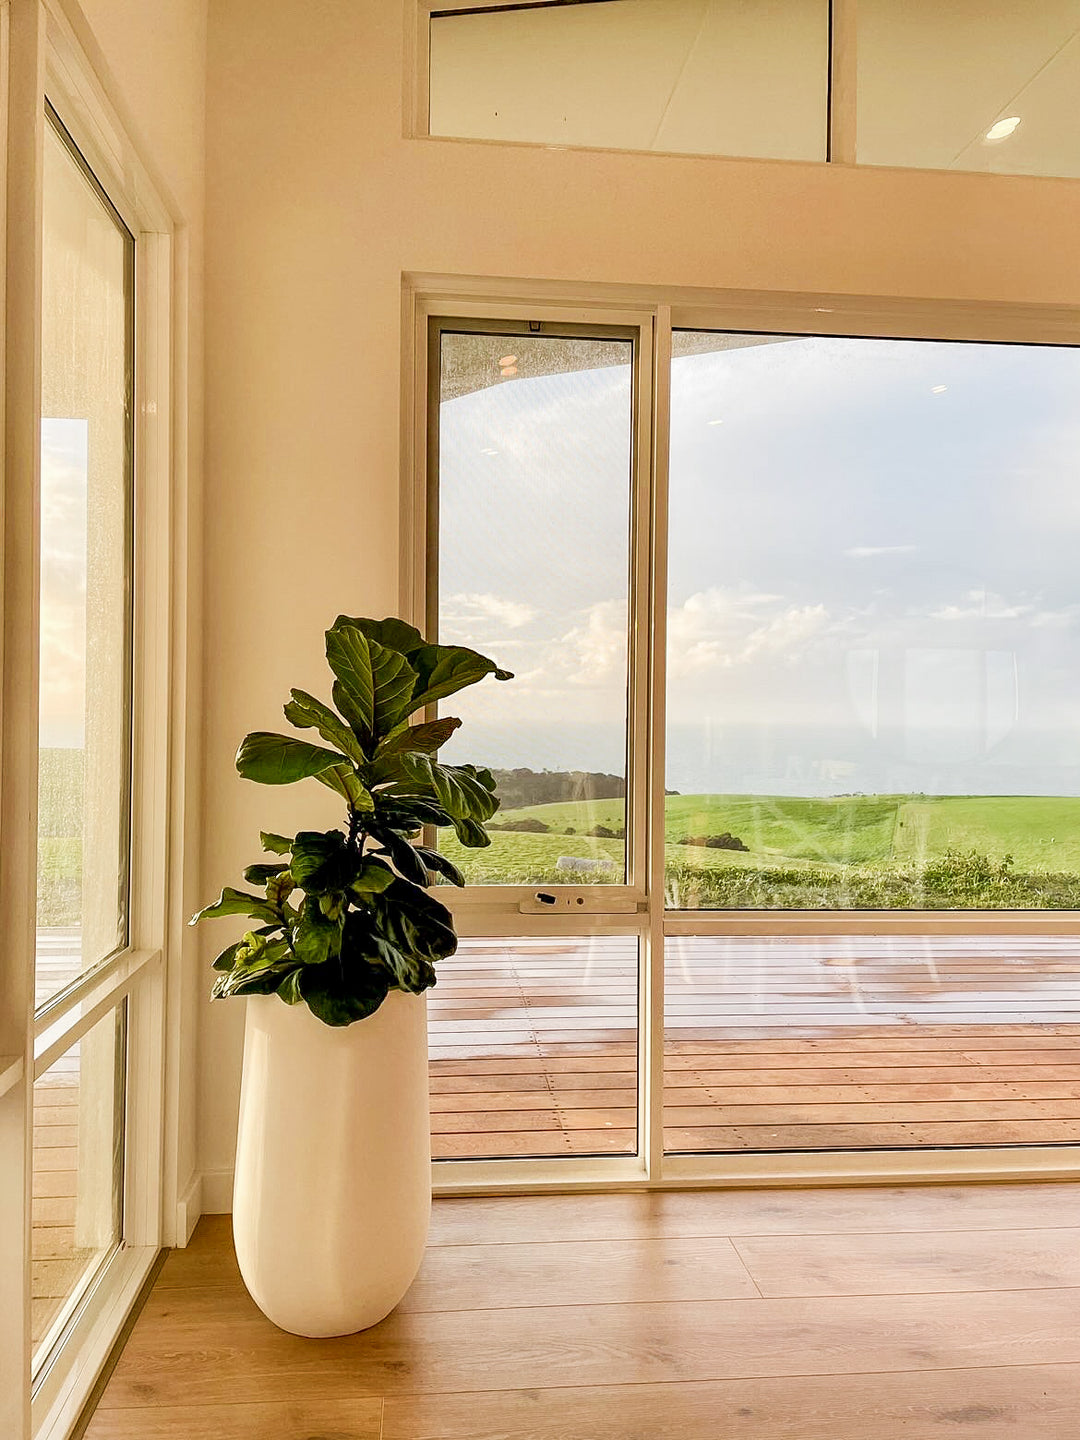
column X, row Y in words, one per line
column 628, row 895
column 667, row 309
column 60, row 132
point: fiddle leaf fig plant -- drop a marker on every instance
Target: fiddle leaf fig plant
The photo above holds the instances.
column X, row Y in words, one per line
column 344, row 916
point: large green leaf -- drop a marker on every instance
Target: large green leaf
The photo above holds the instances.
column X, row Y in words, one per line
column 445, row 669
column 227, row 958
column 279, row 760
column 307, row 713
column 408, row 813
column 395, row 680
column 471, row 833
column 462, row 790
column 374, row 683
column 275, row 844
column 323, row 862
column 374, row 878
column 289, row 989
column 344, row 781
column 404, row 856
column 438, row 863
column 414, row 921
column 349, row 657
column 391, row 632
column 235, row 902
column 315, row 938
column 411, row 972
column 426, row 738
column 260, row 874
column 343, row 991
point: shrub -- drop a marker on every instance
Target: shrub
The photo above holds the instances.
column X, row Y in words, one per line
column 726, row 841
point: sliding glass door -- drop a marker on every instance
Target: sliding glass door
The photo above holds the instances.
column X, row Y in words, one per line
column 873, row 638
column 793, row 736
column 535, row 531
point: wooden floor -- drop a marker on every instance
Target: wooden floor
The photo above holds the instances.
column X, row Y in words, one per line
column 874, row 1314
column 770, row 1044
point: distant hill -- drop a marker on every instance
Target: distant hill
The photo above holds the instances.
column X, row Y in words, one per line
column 521, row 787
column 518, row 788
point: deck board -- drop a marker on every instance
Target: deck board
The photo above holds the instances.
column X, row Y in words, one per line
column 770, row 1044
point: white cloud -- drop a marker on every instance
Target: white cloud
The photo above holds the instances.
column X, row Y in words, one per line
column 466, row 610
column 786, row 631
column 720, row 628
column 596, row 650
column 867, row 552
column 982, row 605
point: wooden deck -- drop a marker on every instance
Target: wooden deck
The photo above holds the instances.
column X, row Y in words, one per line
column 59, row 1265
column 771, row 1044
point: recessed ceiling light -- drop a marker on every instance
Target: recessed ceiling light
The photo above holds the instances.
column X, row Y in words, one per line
column 508, row 370
column 714, row 422
column 938, row 389
column 508, row 360
column 489, row 451
column 1002, row 129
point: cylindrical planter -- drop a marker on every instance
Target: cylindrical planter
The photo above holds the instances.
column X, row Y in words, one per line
column 332, row 1194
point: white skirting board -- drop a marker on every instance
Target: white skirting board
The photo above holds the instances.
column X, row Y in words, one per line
column 188, row 1209
column 217, row 1192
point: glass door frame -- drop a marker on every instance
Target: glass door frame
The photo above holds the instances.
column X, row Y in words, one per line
column 580, row 911
column 492, row 911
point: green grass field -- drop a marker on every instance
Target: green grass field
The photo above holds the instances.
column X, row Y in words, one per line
column 858, row 851
column 59, row 874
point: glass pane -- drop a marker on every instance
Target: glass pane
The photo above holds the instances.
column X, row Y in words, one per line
column 870, row 1042
column 85, row 556
column 533, row 1046
column 78, row 1139
column 707, row 77
column 534, row 526
column 874, row 626
column 972, row 85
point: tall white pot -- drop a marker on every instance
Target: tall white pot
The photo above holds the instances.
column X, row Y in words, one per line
column 332, row 1195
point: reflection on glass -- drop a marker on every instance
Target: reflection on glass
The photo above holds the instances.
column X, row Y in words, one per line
column 874, row 627
column 533, row 1048
column 869, row 1042
column 534, row 516
column 78, row 1136
column 707, row 77
column 972, row 85
column 85, row 453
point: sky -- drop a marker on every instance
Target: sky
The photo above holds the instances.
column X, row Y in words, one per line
column 872, row 561
column 63, row 582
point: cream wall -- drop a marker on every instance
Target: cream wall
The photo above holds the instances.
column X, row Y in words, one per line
column 316, row 204
column 151, row 55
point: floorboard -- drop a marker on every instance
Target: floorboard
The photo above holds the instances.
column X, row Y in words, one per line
column 895, row 1314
